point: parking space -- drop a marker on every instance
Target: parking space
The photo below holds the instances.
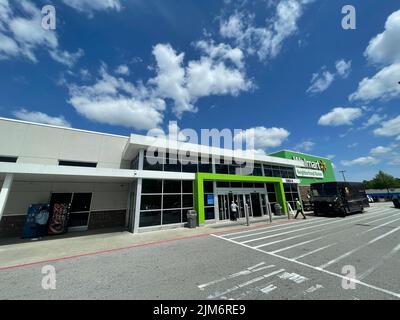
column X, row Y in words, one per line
column 366, row 244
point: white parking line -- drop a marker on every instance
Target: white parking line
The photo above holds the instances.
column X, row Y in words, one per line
column 314, row 251
column 296, row 245
column 358, row 248
column 295, row 224
column 381, row 262
column 361, row 218
column 250, row 270
column 394, row 294
column 379, row 226
column 247, row 283
column 292, row 224
column 301, row 235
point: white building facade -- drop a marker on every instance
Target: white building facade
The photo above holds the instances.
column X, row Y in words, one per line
column 111, row 181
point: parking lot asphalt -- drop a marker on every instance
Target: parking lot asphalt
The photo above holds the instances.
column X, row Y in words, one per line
column 357, row 257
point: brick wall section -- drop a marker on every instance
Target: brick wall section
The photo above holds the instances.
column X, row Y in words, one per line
column 107, row 219
column 11, row 226
column 303, row 192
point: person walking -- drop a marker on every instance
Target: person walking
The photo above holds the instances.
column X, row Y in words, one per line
column 234, row 209
column 299, row 209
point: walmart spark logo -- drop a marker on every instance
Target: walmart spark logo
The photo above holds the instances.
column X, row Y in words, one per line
column 322, row 165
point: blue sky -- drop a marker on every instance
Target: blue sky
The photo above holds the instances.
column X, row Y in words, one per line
column 285, row 68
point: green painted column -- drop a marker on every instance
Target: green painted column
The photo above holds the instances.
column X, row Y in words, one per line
column 199, row 199
column 280, row 195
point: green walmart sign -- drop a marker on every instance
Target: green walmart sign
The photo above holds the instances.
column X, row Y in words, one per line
column 315, row 169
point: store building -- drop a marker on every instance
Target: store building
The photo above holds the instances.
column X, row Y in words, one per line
column 117, row 181
column 315, row 169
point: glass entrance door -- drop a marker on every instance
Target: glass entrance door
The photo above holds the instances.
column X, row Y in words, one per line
column 223, row 205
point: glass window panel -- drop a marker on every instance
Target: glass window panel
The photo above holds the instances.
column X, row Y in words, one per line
column 209, row 213
column 248, row 185
column 153, row 164
column 172, row 186
column 208, row 187
column 259, row 185
column 172, row 216
column 268, row 171
column 150, row 202
column 187, row 186
column 257, row 171
column 81, row 202
column 150, row 218
column 152, row 186
column 172, row 201
column 272, row 197
column 276, row 172
column 222, row 168
column 237, row 185
column 270, row 187
column 191, row 167
column 187, row 200
column 222, row 184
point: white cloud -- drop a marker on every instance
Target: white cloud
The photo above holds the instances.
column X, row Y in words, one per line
column 305, row 146
column 321, row 82
column 352, row 145
column 343, row 68
column 22, row 36
column 380, row 150
column 219, row 71
column 263, row 137
column 67, row 58
column 363, row 161
column 89, row 6
column 383, row 50
column 205, row 77
column 171, row 78
column 340, row 116
column 117, row 102
column 373, row 120
column 330, row 156
column 210, row 75
column 384, row 85
column 323, row 79
column 122, row 70
column 265, row 41
column 385, row 47
column 40, row 117
column 389, row 128
column 222, row 52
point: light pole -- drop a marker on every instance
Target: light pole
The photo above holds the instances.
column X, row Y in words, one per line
column 343, row 172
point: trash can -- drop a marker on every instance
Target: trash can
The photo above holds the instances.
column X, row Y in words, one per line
column 278, row 209
column 192, row 219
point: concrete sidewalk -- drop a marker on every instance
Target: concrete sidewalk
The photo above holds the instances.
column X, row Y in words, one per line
column 19, row 252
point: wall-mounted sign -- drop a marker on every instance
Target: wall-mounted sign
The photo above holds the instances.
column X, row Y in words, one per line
column 309, row 173
column 285, row 180
column 316, row 165
column 210, row 199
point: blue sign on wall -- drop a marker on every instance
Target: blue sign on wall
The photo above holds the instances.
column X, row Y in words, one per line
column 210, row 200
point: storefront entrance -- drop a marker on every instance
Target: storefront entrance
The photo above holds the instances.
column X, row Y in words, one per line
column 255, row 201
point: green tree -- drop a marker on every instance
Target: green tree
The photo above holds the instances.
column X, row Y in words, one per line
column 382, row 180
